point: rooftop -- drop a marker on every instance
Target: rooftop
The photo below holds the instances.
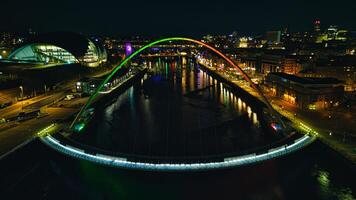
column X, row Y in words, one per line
column 304, row 80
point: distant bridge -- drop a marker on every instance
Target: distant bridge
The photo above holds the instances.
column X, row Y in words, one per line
column 164, row 54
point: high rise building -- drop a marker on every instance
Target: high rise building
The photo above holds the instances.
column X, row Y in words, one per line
column 317, row 26
column 342, row 34
column 332, row 32
column 273, row 37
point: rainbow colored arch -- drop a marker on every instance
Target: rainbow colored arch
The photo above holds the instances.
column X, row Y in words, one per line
column 92, row 97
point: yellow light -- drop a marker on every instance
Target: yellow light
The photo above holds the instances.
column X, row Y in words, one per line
column 312, row 107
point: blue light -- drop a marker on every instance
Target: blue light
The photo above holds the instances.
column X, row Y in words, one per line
column 276, row 127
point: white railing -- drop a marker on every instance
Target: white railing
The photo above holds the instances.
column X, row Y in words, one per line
column 226, row 163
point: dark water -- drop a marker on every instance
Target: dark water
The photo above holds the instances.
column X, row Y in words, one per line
column 178, row 111
column 36, row 172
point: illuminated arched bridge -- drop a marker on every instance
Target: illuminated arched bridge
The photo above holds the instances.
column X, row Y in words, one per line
column 125, row 162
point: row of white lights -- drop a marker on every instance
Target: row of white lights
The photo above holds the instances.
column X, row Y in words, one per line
column 228, row 162
column 116, row 86
column 45, row 130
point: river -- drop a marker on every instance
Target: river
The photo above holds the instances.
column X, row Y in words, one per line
column 177, row 112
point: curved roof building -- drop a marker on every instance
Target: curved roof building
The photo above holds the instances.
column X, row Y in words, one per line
column 60, row 48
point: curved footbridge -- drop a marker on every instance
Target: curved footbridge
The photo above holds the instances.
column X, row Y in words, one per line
column 129, row 163
column 126, row 163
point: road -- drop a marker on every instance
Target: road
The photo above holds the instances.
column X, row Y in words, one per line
column 14, row 133
column 26, row 130
column 337, row 131
column 9, row 95
column 15, row 108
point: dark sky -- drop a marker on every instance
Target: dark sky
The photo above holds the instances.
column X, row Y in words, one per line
column 166, row 18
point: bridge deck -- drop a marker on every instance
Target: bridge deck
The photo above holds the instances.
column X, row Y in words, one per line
column 226, row 163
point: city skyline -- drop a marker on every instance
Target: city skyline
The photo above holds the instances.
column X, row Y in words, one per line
column 178, row 99
column 181, row 18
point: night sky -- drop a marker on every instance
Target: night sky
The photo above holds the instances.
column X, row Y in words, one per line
column 167, row 18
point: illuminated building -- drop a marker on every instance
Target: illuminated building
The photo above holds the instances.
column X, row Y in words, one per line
column 317, row 26
column 87, row 86
column 243, row 42
column 128, row 49
column 60, row 48
column 9, row 40
column 305, row 93
column 246, row 42
column 318, row 36
column 339, row 67
column 332, row 32
column 280, row 63
column 322, row 37
column 341, row 35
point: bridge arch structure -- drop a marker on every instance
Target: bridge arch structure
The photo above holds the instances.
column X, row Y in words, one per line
column 127, row 59
column 128, row 164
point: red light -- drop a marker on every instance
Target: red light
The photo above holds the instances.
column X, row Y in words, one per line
column 276, row 127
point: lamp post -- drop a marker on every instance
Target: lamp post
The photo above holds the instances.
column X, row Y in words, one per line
column 21, row 88
column 21, row 95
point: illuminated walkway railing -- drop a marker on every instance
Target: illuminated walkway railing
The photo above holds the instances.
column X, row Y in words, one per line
column 226, row 163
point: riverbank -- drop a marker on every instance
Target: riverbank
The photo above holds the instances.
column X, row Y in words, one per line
column 347, row 150
column 344, row 147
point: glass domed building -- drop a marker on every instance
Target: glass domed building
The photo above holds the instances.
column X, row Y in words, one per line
column 60, row 48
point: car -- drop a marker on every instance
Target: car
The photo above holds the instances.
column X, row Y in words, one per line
column 69, row 97
column 23, row 116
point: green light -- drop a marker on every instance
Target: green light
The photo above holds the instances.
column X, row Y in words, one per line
column 79, row 127
column 92, row 97
column 323, row 178
column 46, row 130
column 166, row 69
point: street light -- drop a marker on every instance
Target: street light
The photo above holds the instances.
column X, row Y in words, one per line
column 21, row 96
column 21, row 92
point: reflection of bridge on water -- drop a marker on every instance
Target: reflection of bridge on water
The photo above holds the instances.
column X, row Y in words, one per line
column 132, row 163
